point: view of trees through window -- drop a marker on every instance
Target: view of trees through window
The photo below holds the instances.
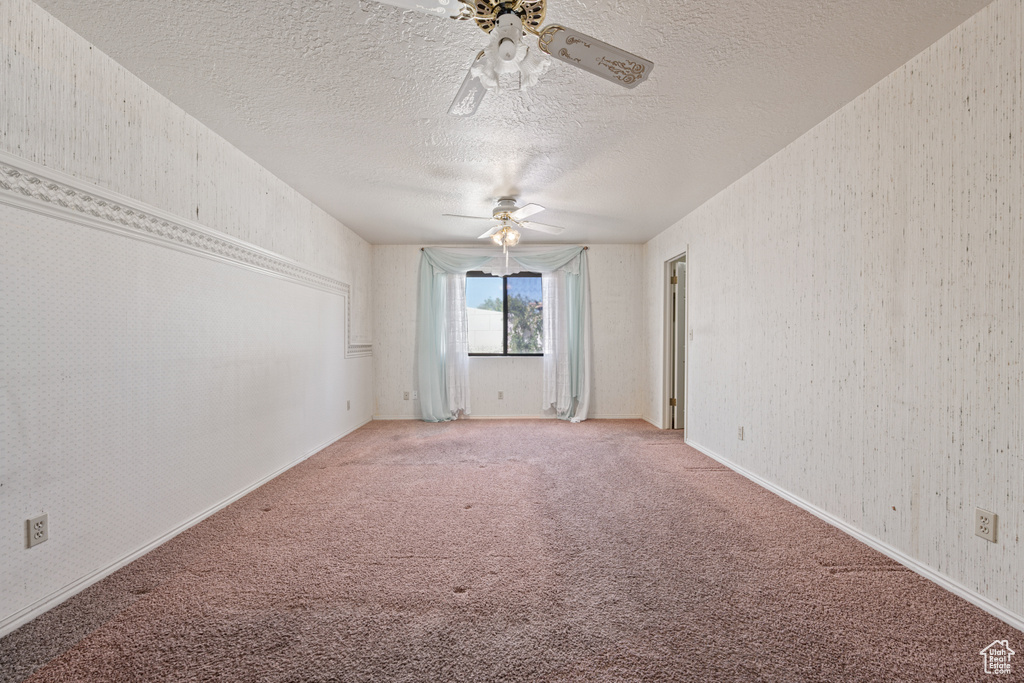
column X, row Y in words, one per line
column 506, row 314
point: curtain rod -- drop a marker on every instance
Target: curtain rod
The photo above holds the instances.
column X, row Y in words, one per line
column 584, row 248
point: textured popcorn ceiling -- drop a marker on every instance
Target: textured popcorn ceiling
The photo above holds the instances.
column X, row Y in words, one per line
column 346, row 100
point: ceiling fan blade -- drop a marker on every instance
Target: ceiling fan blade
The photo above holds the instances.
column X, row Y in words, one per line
column 595, row 56
column 475, row 218
column 541, row 227
column 525, row 212
column 439, row 8
column 471, row 94
column 490, row 232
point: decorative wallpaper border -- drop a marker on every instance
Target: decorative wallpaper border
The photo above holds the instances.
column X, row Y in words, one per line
column 29, row 186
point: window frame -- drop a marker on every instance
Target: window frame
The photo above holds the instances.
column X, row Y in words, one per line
column 504, row 314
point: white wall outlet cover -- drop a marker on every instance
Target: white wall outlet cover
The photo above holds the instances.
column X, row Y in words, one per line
column 38, row 530
column 405, row 395
column 415, row 395
column 985, row 524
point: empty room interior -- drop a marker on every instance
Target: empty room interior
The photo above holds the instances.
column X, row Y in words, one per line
column 513, row 340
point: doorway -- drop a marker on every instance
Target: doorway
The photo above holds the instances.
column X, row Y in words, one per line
column 676, row 324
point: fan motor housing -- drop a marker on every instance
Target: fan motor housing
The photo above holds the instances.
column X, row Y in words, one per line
column 486, row 13
column 503, row 208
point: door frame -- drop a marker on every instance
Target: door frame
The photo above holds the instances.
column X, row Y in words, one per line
column 667, row 354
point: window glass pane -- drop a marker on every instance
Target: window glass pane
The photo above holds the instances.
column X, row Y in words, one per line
column 485, row 310
column 525, row 315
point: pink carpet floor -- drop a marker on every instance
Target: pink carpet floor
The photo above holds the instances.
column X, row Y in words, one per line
column 509, row 551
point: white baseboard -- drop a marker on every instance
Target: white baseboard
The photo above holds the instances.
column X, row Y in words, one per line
column 513, row 417
column 550, row 417
column 971, row 596
column 27, row 614
column 653, row 423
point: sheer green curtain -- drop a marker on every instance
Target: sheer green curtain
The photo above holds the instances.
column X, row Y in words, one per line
column 441, row 356
column 436, row 359
column 567, row 341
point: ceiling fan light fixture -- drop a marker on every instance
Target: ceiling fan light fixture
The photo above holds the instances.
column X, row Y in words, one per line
column 507, row 219
column 506, row 237
column 508, row 53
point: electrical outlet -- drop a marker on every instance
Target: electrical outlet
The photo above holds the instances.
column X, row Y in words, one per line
column 405, row 395
column 985, row 524
column 348, row 405
column 501, row 395
column 38, row 530
column 741, row 434
column 415, row 395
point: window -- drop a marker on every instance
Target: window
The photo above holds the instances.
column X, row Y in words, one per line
column 505, row 314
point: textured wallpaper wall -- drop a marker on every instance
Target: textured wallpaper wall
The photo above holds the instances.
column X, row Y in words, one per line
column 856, row 305
column 177, row 324
column 70, row 108
column 618, row 352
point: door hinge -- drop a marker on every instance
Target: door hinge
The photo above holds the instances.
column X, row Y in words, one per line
column 672, row 402
column 673, row 280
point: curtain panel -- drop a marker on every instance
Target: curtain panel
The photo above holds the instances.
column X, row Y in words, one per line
column 442, row 350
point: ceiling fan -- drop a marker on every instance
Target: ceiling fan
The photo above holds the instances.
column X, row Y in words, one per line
column 508, row 21
column 507, row 217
